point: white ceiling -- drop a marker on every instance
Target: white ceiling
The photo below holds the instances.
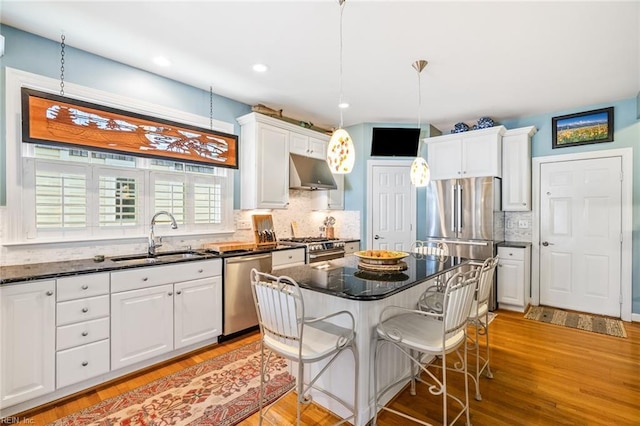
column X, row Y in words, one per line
column 502, row 59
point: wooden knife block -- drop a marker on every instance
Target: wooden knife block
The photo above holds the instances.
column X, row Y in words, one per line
column 263, row 232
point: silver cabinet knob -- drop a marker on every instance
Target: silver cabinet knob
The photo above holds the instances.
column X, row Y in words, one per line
column 85, row 333
column 49, row 293
column 85, row 363
column 85, row 310
column 85, row 287
column 145, row 279
column 524, row 204
column 170, row 293
column 200, row 271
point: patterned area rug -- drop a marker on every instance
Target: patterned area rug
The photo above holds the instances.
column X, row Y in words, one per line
column 221, row 391
column 597, row 324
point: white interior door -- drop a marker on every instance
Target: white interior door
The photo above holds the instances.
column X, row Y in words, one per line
column 580, row 235
column 392, row 206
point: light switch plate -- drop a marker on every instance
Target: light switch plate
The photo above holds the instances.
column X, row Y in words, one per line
column 244, row 224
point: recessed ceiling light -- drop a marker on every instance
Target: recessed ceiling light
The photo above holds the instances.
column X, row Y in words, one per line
column 343, row 105
column 260, row 68
column 161, row 61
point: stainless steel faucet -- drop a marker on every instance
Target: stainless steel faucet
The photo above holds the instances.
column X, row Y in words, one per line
column 152, row 238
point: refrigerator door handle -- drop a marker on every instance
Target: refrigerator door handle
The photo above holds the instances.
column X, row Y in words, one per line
column 460, row 224
column 453, row 207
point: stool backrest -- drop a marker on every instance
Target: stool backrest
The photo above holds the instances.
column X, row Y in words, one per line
column 458, row 298
column 485, row 282
column 432, row 248
column 279, row 305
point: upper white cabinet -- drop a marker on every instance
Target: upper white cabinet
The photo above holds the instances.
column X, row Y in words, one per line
column 308, row 146
column 264, row 163
column 516, row 169
column 333, row 199
column 469, row 154
column 27, row 339
column 265, row 144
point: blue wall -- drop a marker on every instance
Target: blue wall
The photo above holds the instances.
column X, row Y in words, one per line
column 31, row 53
column 626, row 129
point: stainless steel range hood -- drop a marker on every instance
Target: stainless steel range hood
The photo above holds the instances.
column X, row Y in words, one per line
column 309, row 173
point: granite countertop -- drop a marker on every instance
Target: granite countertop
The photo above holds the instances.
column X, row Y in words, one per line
column 38, row 271
column 342, row 278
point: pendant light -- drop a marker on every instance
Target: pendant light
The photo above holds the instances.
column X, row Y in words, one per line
column 420, row 173
column 341, row 154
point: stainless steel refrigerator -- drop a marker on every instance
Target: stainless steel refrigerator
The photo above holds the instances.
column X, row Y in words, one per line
column 466, row 215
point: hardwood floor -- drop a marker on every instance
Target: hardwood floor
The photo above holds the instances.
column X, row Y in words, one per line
column 543, row 375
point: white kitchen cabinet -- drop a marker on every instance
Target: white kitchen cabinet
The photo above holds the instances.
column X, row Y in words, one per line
column 475, row 153
column 309, row 146
column 351, row 247
column 514, row 277
column 157, row 309
column 516, row 169
column 141, row 324
column 332, row 199
column 197, row 310
column 82, row 328
column 286, row 258
column 264, row 163
column 27, row 339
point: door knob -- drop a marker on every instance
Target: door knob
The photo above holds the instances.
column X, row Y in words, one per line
column 377, row 237
column 546, row 243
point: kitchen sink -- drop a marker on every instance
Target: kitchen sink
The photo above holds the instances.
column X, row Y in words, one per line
column 173, row 256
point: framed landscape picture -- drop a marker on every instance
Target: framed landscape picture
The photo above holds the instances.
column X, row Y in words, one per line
column 582, row 128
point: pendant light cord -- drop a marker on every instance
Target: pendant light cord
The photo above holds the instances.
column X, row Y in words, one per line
column 211, row 107
column 62, row 46
column 342, row 2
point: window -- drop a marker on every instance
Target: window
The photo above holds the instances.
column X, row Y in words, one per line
column 93, row 195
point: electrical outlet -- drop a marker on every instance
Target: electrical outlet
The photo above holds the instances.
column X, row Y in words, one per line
column 523, row 224
column 244, row 224
column 509, row 224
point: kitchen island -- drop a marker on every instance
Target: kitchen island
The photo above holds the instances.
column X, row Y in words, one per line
column 340, row 285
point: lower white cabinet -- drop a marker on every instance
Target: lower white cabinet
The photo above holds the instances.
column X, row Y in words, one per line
column 287, row 258
column 197, row 309
column 141, row 324
column 164, row 308
column 27, row 341
column 514, row 278
column 82, row 332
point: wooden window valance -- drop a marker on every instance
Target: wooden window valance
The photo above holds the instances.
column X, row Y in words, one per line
column 57, row 120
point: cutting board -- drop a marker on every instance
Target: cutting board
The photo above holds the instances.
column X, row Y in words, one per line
column 225, row 246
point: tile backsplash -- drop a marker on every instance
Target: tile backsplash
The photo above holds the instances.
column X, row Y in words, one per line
column 518, row 226
column 309, row 222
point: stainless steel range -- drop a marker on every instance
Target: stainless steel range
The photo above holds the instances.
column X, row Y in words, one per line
column 317, row 249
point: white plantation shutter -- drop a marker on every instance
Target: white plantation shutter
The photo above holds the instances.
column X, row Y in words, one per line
column 119, row 194
column 61, row 199
column 207, row 203
column 170, row 193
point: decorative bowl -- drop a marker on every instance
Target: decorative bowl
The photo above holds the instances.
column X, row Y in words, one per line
column 380, row 257
column 460, row 127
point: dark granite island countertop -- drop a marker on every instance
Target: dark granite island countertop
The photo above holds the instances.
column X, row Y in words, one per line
column 342, row 278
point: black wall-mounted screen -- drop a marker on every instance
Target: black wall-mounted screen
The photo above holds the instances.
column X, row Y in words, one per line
column 394, row 142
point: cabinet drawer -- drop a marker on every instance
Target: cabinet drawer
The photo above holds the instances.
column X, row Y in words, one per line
column 133, row 279
column 81, row 286
column 82, row 333
column 512, row 253
column 287, row 257
column 82, row 363
column 351, row 247
column 82, row 310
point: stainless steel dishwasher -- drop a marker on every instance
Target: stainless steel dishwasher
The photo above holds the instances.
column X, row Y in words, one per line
column 239, row 309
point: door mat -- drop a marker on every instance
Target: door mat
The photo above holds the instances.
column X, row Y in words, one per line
column 221, row 391
column 587, row 322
